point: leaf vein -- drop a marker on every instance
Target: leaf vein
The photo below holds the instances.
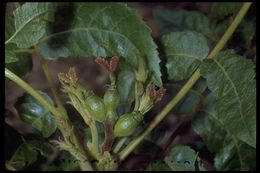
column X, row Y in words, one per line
column 236, row 93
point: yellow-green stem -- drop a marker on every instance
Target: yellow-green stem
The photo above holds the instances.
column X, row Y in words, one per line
column 112, row 78
column 119, row 144
column 47, row 73
column 30, row 90
column 94, row 142
column 137, row 97
column 51, row 108
column 221, row 43
column 24, row 50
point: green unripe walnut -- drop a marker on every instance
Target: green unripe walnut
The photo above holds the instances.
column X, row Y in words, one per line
column 127, row 124
column 96, row 107
column 111, row 98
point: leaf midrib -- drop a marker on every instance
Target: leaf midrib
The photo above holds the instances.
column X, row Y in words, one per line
column 87, row 30
column 231, row 135
column 23, row 26
column 236, row 93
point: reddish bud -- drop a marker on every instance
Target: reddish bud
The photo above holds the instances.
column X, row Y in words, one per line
column 154, row 95
column 159, row 94
column 103, row 63
column 113, row 63
column 151, row 92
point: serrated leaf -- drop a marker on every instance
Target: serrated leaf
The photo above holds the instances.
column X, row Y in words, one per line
column 103, row 30
column 232, row 81
column 33, row 113
column 184, row 52
column 158, row 165
column 221, row 10
column 18, row 62
column 180, row 20
column 181, row 158
column 27, row 153
column 230, row 152
column 29, row 27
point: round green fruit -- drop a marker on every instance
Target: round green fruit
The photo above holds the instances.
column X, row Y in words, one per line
column 127, row 124
column 96, row 107
column 111, row 99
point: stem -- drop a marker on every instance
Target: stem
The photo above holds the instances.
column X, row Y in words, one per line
column 30, row 90
column 94, row 142
column 221, row 43
column 130, row 147
column 24, row 50
column 196, row 156
column 107, row 144
column 136, row 96
column 61, row 117
column 50, row 80
column 119, row 144
column 112, row 78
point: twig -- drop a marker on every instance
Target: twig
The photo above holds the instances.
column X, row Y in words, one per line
column 131, row 146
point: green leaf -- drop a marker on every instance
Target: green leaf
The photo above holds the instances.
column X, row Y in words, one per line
column 23, row 157
column 232, row 81
column 192, row 100
column 103, row 30
column 221, row 10
column 158, row 165
column 20, row 63
column 33, row 113
column 27, row 153
column 180, row 20
column 10, row 57
column 29, row 26
column 9, row 26
column 126, row 88
column 43, row 147
column 67, row 161
column 181, row 158
column 17, row 61
column 184, row 52
column 230, row 152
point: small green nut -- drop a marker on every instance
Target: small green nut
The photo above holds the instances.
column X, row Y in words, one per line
column 111, row 98
column 127, row 124
column 96, row 107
